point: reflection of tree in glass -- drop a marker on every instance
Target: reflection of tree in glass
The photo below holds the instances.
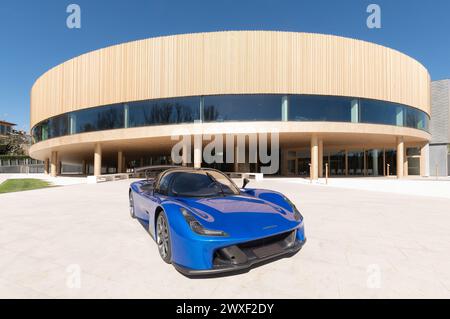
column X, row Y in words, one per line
column 184, row 113
column 166, row 112
column 37, row 133
column 87, row 127
column 158, row 114
column 211, row 114
column 58, row 126
column 109, row 118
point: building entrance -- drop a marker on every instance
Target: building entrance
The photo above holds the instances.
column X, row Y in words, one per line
column 350, row 162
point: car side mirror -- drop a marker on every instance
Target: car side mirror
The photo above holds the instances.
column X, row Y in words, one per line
column 246, row 181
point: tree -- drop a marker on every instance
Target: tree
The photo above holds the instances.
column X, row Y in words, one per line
column 14, row 143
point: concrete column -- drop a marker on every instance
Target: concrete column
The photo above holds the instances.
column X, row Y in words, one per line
column 375, row 162
column 46, row 166
column 314, row 157
column 320, row 158
column 425, row 160
column 400, row 156
column 124, row 164
column 98, row 160
column 119, row 162
column 236, row 158
column 53, row 164
column 197, row 152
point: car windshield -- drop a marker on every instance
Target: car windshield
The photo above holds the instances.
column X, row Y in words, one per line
column 202, row 184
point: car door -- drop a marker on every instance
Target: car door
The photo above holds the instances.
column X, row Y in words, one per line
column 141, row 199
column 153, row 200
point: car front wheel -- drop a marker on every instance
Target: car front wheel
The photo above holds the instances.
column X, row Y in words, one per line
column 132, row 213
column 163, row 238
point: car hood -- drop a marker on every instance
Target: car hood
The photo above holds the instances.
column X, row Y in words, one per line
column 242, row 216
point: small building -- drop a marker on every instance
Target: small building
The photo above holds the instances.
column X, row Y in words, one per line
column 6, row 127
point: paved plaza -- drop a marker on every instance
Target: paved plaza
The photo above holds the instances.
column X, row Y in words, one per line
column 78, row 241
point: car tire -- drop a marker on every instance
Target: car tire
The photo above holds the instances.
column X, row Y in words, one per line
column 163, row 238
column 131, row 201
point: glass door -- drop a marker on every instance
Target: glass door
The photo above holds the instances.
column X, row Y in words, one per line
column 303, row 167
column 390, row 162
column 356, row 163
column 336, row 163
column 413, row 158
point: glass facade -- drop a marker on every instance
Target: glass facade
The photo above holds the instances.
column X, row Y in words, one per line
column 58, row 126
column 336, row 161
column 98, row 119
column 391, row 162
column 351, row 162
column 159, row 112
column 234, row 108
column 231, row 108
column 355, row 162
column 319, row 108
column 378, row 112
column 413, row 158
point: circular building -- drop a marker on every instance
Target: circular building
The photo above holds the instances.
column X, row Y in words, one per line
column 337, row 105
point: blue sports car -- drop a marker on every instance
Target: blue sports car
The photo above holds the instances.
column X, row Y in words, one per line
column 204, row 224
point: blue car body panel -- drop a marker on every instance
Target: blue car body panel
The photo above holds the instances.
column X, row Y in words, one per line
column 252, row 215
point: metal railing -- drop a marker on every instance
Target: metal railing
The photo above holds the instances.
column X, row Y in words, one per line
column 22, row 169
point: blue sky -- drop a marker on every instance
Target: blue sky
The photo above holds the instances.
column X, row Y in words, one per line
column 34, row 36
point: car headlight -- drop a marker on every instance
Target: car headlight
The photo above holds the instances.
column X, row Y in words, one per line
column 198, row 228
column 298, row 217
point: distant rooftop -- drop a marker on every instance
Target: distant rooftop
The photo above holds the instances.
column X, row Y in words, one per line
column 7, row 123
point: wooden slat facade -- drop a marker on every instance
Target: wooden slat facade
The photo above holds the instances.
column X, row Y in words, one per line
column 231, row 62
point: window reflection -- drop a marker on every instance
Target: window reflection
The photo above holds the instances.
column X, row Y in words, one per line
column 58, row 126
column 379, row 112
column 97, row 119
column 319, row 108
column 416, row 119
column 356, row 163
column 168, row 111
column 223, row 108
column 337, row 163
